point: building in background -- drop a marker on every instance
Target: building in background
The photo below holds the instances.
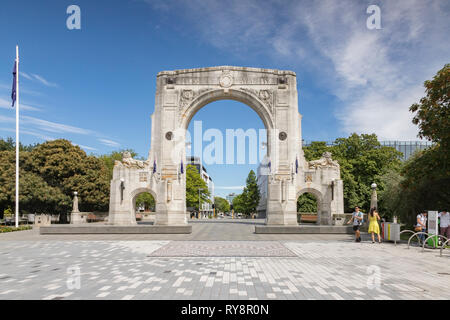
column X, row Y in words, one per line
column 262, row 182
column 230, row 197
column 195, row 161
column 406, row 147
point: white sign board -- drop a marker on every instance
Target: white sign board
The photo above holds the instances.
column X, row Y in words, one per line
column 433, row 222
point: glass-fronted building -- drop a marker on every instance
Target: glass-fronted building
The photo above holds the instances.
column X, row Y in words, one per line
column 406, row 147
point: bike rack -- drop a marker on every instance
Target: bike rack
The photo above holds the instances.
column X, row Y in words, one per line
column 395, row 241
column 433, row 235
column 442, row 246
column 416, row 235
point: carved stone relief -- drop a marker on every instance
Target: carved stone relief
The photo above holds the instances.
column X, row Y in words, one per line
column 266, row 96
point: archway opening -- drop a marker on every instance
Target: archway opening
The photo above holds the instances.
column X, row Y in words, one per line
column 307, row 208
column 227, row 141
column 144, row 205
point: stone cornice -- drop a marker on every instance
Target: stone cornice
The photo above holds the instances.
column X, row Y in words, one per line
column 228, row 68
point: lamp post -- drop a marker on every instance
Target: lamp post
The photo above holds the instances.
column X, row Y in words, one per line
column 374, row 198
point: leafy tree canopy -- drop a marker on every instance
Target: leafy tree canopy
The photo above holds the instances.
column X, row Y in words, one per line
column 221, row 204
column 362, row 160
column 49, row 174
column 307, row 202
column 194, row 182
column 145, row 199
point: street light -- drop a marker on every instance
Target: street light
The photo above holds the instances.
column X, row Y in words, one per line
column 374, row 198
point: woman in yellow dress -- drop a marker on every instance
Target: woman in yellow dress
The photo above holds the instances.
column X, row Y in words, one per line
column 373, row 224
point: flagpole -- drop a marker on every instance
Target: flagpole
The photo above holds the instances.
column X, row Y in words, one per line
column 17, row 136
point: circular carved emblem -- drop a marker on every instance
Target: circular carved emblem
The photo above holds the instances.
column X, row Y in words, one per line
column 226, row 80
column 169, row 135
column 188, row 94
column 282, row 136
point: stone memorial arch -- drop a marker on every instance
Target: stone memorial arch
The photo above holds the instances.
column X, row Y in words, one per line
column 272, row 94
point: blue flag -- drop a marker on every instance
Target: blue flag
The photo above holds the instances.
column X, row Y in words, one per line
column 154, row 166
column 182, row 170
column 14, row 91
column 296, row 165
column 270, row 166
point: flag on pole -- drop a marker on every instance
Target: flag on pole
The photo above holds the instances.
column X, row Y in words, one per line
column 270, row 166
column 14, row 89
column 296, row 165
column 154, row 166
column 15, row 100
column 182, row 170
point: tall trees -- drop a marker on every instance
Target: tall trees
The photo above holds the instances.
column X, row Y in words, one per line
column 250, row 194
column 49, row 174
column 423, row 181
column 195, row 186
column 110, row 158
column 146, row 200
column 307, row 203
column 362, row 160
column 247, row 202
column 221, row 204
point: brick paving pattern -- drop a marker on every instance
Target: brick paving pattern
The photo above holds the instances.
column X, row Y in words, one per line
column 314, row 269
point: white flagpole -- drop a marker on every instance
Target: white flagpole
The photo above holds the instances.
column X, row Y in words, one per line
column 17, row 136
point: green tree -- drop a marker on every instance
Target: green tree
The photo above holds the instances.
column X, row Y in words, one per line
column 10, row 145
column 307, row 202
column 363, row 161
column 35, row 194
column 68, row 168
column 424, row 179
column 110, row 158
column 239, row 205
column 315, row 150
column 194, row 182
column 221, row 204
column 147, row 200
column 250, row 195
column 432, row 114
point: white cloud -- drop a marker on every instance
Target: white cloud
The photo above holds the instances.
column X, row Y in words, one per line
column 25, row 75
column 376, row 74
column 7, row 119
column 109, row 143
column 229, row 188
column 44, row 81
column 85, row 147
column 31, row 133
column 55, row 127
column 6, row 104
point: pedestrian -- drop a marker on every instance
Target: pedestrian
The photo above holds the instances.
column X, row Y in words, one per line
column 357, row 219
column 421, row 225
column 373, row 224
column 444, row 217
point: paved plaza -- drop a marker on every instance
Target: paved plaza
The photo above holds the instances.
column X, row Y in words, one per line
column 209, row 265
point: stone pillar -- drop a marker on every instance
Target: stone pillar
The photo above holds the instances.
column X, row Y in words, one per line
column 281, row 203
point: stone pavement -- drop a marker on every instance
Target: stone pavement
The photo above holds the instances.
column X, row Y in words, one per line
column 205, row 269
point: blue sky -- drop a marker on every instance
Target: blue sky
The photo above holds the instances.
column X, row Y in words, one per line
column 96, row 86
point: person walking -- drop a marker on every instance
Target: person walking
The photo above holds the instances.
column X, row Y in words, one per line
column 444, row 217
column 357, row 219
column 374, row 227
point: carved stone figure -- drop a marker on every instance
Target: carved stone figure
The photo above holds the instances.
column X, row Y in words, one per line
column 127, row 160
column 325, row 161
